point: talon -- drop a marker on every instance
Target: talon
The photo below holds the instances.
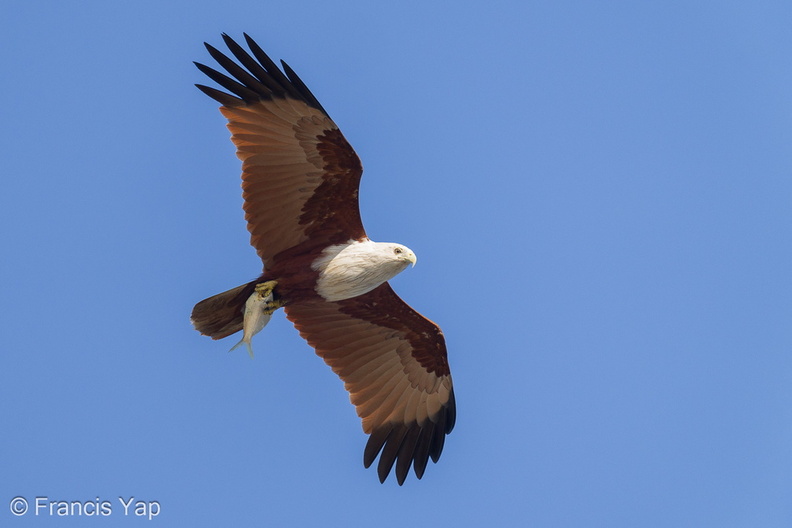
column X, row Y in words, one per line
column 265, row 288
column 271, row 306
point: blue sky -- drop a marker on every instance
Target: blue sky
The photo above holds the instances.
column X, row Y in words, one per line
column 600, row 198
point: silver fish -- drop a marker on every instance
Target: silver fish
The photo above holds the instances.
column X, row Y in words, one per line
column 255, row 319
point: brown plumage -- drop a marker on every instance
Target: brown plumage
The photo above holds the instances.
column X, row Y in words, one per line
column 300, row 188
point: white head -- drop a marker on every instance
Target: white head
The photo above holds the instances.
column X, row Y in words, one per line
column 353, row 269
column 396, row 255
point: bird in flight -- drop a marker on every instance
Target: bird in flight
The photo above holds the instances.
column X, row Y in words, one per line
column 300, row 182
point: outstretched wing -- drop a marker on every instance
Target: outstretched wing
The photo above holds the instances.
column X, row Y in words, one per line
column 300, row 176
column 393, row 363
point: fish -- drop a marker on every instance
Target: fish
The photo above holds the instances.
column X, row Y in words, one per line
column 255, row 318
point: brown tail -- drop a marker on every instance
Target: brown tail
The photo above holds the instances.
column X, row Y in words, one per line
column 221, row 315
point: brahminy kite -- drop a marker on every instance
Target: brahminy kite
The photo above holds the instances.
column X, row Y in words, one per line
column 300, row 182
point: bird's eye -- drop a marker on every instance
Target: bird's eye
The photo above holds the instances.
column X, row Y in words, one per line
column 397, row 250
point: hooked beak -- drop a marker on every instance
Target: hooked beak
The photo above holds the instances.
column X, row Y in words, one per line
column 410, row 257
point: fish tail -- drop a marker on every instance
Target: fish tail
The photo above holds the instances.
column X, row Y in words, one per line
column 247, row 344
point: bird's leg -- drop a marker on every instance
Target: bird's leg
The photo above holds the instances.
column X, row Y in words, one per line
column 265, row 291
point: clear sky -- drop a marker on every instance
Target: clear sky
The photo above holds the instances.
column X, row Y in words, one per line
column 600, row 198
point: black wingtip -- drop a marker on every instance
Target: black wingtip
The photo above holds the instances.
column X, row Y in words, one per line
column 390, row 451
column 407, row 451
column 258, row 77
column 405, row 446
column 220, row 96
column 374, row 445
